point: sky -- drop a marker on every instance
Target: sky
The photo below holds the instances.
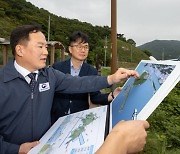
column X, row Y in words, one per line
column 140, row 20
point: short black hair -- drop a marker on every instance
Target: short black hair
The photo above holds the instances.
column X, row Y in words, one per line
column 78, row 35
column 22, row 33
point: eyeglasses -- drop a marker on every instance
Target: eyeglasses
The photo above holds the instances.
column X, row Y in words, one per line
column 80, row 47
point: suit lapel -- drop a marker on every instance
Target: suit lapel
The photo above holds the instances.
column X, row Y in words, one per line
column 84, row 70
column 67, row 67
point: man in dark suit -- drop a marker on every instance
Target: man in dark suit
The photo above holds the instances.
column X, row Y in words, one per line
column 71, row 103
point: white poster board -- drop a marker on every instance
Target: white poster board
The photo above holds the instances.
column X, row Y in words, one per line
column 78, row 133
column 140, row 97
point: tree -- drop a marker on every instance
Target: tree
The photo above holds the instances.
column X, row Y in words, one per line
column 121, row 37
column 147, row 52
column 131, row 41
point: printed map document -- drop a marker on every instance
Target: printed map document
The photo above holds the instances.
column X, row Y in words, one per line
column 78, row 133
column 140, row 97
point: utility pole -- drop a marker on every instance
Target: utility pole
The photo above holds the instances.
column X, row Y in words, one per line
column 113, row 36
column 163, row 54
column 113, row 39
column 105, row 50
column 49, row 26
column 131, row 53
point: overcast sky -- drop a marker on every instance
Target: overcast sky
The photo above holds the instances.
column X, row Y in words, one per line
column 141, row 20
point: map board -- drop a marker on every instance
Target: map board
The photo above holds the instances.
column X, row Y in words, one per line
column 78, row 133
column 140, row 97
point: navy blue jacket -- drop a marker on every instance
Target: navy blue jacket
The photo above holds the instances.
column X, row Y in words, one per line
column 23, row 119
column 75, row 102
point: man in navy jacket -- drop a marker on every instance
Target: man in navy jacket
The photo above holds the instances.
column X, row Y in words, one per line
column 64, row 104
column 25, row 113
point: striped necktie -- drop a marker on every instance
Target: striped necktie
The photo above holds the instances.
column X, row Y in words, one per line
column 32, row 83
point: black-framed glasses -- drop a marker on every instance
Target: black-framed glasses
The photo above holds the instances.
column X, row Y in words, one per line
column 80, row 47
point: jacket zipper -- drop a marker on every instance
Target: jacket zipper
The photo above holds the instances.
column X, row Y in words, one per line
column 32, row 95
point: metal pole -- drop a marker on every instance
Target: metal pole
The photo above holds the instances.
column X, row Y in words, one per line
column 105, row 59
column 49, row 22
column 105, row 50
column 113, row 37
column 131, row 53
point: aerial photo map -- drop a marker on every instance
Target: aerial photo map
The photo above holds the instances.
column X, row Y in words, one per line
column 78, row 133
column 136, row 93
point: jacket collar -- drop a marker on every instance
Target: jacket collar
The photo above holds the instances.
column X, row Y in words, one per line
column 10, row 72
column 83, row 71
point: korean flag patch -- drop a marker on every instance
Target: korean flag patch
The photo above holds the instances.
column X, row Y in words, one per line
column 44, row 87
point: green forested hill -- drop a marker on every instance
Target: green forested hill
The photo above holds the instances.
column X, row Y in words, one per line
column 163, row 49
column 14, row 13
column 129, row 53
